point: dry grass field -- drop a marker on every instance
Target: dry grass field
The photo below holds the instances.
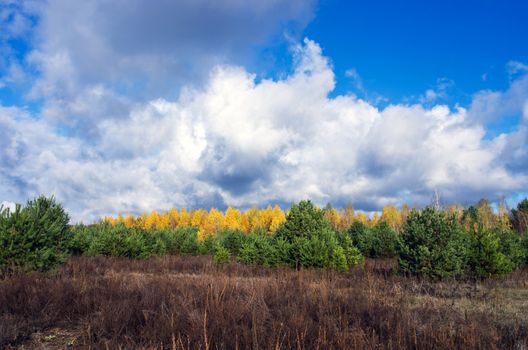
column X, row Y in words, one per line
column 177, row 302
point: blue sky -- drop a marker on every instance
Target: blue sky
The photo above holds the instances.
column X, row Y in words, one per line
column 140, row 106
column 403, row 47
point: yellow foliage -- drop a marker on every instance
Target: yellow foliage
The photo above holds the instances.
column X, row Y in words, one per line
column 109, row 220
column 253, row 215
column 333, row 217
column 265, row 218
column 174, row 218
column 278, row 217
column 198, row 217
column 213, row 223
column 184, row 219
column 392, row 216
column 130, row 221
column 485, row 212
column 362, row 217
column 455, row 210
column 164, row 221
column 246, row 227
column 503, row 217
column 347, row 217
column 151, row 221
column 233, row 219
column 375, row 219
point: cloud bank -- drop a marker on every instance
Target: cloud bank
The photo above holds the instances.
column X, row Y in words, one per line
column 237, row 140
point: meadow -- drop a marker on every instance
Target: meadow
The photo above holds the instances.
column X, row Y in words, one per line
column 177, row 302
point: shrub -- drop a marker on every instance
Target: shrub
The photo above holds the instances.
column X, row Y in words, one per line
column 81, row 239
column 313, row 252
column 34, row 237
column 303, row 220
column 339, row 261
column 222, row 255
column 282, row 251
column 352, row 254
column 511, row 245
column 384, row 241
column 135, row 244
column 119, row 241
column 187, row 241
column 485, row 257
column 433, row 245
column 259, row 250
column 324, row 249
column 307, row 240
column 180, row 240
column 207, row 245
column 232, row 240
column 362, row 237
column 105, row 239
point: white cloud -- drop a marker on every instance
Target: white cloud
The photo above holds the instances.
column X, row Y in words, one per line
column 440, row 92
column 516, row 67
column 241, row 142
column 132, row 52
column 356, row 79
column 490, row 106
column 120, row 42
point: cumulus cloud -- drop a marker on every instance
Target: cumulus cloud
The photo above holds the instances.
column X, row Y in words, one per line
column 239, row 141
column 516, row 67
column 97, row 59
column 491, row 106
column 440, row 92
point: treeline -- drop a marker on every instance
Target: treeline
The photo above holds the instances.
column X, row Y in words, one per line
column 453, row 242
column 304, row 238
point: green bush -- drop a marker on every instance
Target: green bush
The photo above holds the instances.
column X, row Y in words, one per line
column 384, row 241
column 208, row 245
column 259, row 249
column 313, row 252
column 362, row 237
column 119, row 241
column 178, row 241
column 34, row 237
column 82, row 237
column 324, row 250
column 433, row 245
column 232, row 240
column 282, row 251
column 307, row 240
column 485, row 256
column 352, row 254
column 303, row 220
column 511, row 245
column 222, row 255
column 339, row 260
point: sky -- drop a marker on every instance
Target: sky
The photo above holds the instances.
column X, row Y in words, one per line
column 129, row 106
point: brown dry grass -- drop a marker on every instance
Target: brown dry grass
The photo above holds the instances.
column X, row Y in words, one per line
column 188, row 303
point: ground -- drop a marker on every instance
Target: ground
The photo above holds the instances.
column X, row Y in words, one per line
column 189, row 303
